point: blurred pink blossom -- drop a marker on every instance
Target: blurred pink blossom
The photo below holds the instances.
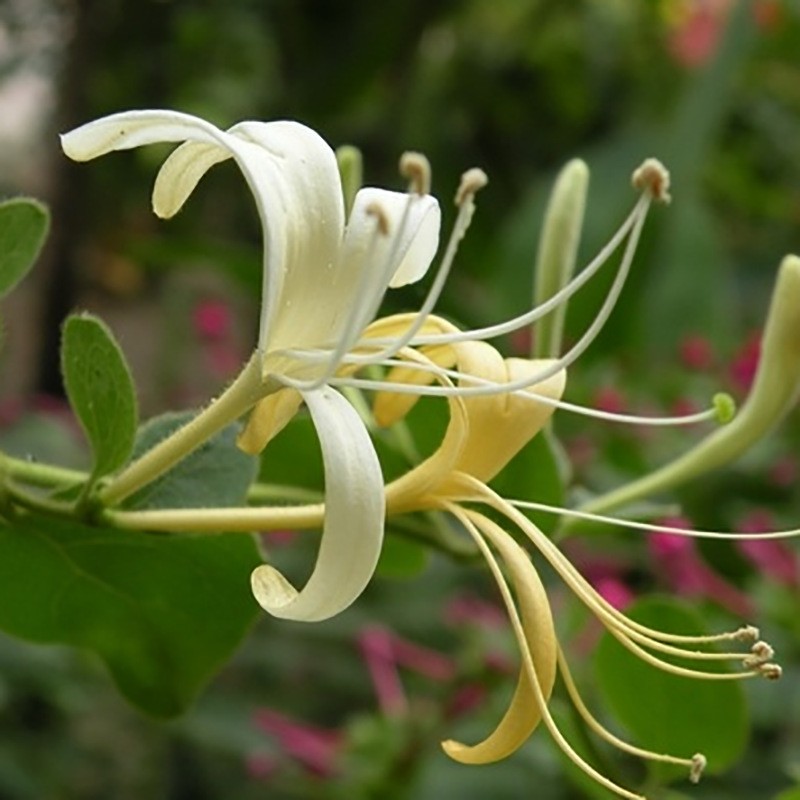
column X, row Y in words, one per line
column 683, row 569
column 696, row 353
column 615, row 591
column 316, row 749
column 609, row 399
column 784, row 472
column 384, row 651
column 469, row 609
column 743, row 367
column 211, row 319
column 775, row 559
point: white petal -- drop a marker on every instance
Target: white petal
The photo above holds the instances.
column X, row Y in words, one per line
column 181, row 172
column 354, row 519
column 294, row 178
column 414, row 223
column 369, row 262
column 134, row 129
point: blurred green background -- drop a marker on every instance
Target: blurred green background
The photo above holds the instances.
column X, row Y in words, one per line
column 514, row 86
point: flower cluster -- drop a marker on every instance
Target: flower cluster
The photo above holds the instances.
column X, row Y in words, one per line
column 330, row 254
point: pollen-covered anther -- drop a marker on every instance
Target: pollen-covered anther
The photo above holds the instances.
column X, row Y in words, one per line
column 416, row 167
column 699, row 762
column 472, row 181
column 378, row 212
column 653, row 177
column 760, row 653
column 772, row 672
column 749, row 633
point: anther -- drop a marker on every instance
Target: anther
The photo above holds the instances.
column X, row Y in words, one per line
column 417, row 168
column 749, row 633
column 760, row 654
column 378, row 212
column 699, row 762
column 472, row 181
column 772, row 672
column 652, row 176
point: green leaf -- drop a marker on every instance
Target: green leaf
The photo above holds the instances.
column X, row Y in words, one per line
column 789, row 794
column 216, row 474
column 294, row 457
column 163, row 612
column 23, row 228
column 401, row 558
column 670, row 713
column 100, row 390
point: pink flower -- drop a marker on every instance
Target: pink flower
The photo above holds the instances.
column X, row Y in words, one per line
column 745, row 363
column 609, row 399
column 696, row 353
column 314, row 748
column 784, row 471
column 773, row 558
column 385, row 651
column 695, row 40
column 212, row 319
column 683, row 569
column 472, row 610
column 615, row 591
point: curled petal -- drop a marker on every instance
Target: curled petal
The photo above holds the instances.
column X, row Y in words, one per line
column 354, row 518
column 524, row 712
column 294, row 179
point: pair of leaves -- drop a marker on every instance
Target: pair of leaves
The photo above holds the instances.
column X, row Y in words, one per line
column 162, row 612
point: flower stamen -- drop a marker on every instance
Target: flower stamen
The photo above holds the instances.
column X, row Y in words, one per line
column 416, row 167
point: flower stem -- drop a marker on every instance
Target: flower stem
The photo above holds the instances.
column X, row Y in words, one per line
column 43, row 475
column 240, row 396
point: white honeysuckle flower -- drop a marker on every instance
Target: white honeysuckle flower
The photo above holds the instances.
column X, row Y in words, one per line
column 324, row 279
column 323, row 283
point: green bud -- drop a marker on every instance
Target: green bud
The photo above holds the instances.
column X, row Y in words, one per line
column 558, row 249
column 771, row 397
column 351, row 171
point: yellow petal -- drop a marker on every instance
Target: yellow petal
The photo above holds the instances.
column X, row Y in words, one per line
column 524, row 713
column 501, row 425
column 269, row 417
column 419, row 487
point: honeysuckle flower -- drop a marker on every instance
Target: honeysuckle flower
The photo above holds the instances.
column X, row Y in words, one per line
column 323, row 283
column 323, row 280
column 484, row 433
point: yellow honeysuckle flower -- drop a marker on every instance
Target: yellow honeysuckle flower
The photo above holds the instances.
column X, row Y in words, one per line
column 484, row 433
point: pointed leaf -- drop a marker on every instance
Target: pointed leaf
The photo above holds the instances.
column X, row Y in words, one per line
column 163, row 612
column 23, row 228
column 100, row 390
